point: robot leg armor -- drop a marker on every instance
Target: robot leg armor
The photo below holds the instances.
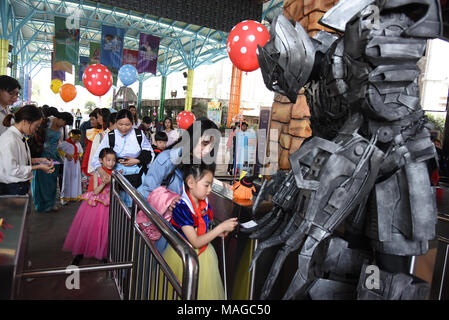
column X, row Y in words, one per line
column 376, row 284
column 338, row 268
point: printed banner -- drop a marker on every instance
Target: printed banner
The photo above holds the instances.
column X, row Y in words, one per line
column 66, row 42
column 214, row 111
column 112, row 47
column 63, row 66
column 94, row 52
column 148, row 53
column 130, row 57
column 56, row 74
column 84, row 63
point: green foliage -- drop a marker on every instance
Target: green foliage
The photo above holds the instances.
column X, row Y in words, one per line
column 200, row 110
column 89, row 106
column 437, row 122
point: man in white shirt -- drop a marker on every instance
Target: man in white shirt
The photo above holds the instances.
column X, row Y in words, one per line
column 9, row 93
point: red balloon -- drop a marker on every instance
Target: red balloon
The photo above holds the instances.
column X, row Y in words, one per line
column 242, row 44
column 97, row 79
column 185, row 119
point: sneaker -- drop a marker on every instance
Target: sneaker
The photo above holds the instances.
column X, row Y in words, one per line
column 63, row 203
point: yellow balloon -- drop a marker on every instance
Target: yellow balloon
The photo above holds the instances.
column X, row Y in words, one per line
column 55, row 85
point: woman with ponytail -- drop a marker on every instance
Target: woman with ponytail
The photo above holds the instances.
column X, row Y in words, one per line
column 164, row 177
column 44, row 185
column 197, row 143
column 16, row 163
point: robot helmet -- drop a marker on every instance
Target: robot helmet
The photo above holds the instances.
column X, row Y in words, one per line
column 287, row 59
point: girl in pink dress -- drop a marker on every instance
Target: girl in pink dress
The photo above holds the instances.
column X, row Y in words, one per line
column 88, row 234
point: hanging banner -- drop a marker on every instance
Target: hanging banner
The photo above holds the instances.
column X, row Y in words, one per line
column 214, row 111
column 66, row 42
column 112, row 47
column 63, row 66
column 130, row 57
column 56, row 74
column 94, row 52
column 148, row 53
column 84, row 63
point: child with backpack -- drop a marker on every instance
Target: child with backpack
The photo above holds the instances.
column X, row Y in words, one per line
column 192, row 218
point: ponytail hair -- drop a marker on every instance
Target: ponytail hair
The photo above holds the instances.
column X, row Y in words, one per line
column 7, row 121
column 28, row 113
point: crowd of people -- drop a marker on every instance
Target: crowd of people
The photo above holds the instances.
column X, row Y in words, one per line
column 41, row 157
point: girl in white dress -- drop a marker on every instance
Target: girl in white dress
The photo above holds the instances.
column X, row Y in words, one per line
column 71, row 151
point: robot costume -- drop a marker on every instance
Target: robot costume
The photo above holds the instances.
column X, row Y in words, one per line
column 366, row 166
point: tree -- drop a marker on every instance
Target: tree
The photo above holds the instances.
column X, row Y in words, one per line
column 89, row 106
column 437, row 122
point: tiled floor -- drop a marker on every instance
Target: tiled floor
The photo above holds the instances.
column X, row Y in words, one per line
column 46, row 237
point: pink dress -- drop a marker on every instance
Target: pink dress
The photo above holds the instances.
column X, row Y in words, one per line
column 88, row 234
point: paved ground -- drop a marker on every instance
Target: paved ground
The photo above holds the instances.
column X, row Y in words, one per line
column 46, row 237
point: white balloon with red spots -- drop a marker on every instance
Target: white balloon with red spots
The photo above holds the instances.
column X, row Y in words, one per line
column 242, row 44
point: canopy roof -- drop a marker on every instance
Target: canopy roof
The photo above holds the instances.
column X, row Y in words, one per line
column 29, row 26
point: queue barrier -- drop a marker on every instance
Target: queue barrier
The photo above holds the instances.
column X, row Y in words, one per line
column 137, row 267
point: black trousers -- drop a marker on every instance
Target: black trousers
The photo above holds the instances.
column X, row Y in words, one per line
column 18, row 188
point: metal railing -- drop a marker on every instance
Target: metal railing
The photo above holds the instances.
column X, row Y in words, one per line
column 150, row 277
column 139, row 270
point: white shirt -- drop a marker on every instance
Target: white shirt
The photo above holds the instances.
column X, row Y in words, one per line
column 15, row 157
column 3, row 113
column 136, row 126
column 95, row 144
column 125, row 146
column 173, row 136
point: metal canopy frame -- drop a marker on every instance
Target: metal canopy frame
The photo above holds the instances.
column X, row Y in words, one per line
column 29, row 27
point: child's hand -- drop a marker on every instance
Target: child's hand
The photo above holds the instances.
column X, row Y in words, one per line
column 228, row 226
column 69, row 157
column 104, row 176
column 107, row 179
column 173, row 203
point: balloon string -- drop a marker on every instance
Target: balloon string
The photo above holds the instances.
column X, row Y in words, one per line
column 124, row 98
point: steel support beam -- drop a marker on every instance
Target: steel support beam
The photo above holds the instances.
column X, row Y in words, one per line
column 162, row 99
column 188, row 102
